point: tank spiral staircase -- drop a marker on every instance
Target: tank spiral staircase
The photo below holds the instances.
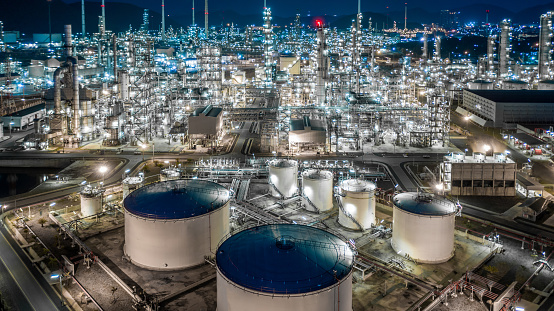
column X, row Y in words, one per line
column 347, row 214
column 310, row 203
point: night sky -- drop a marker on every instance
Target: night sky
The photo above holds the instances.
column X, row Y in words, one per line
column 319, row 7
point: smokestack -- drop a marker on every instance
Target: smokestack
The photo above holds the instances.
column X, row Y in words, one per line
column 206, row 17
column 83, row 18
column 405, row 15
column 193, row 12
column 486, row 17
column 359, row 7
column 68, row 45
column 163, row 20
column 103, row 18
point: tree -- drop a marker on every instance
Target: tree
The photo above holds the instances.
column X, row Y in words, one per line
column 42, row 221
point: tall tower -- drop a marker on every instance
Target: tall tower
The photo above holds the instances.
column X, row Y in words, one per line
column 83, row 18
column 545, row 45
column 437, row 48
column 322, row 64
column 425, row 52
column 145, row 21
column 490, row 53
column 206, row 30
column 405, row 16
column 268, row 48
column 505, row 46
column 163, row 19
column 193, row 23
column 103, row 30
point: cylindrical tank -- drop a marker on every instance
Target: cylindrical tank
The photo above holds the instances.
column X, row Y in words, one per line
column 173, row 224
column 91, row 201
column 546, row 85
column 317, row 190
column 423, row 227
column 36, row 71
column 480, row 85
column 356, row 204
column 284, row 267
column 515, row 85
column 130, row 184
column 170, row 174
column 283, row 175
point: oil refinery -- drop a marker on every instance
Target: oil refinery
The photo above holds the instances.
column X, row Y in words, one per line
column 400, row 159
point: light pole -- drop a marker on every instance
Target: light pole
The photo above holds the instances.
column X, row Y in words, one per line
column 103, row 170
column 487, row 148
column 59, row 276
column 142, row 148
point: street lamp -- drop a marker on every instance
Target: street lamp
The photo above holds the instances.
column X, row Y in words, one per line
column 143, row 146
column 103, row 170
column 487, row 148
column 59, row 276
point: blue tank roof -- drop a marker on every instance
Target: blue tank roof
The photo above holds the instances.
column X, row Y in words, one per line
column 284, row 259
column 423, row 204
column 176, row 199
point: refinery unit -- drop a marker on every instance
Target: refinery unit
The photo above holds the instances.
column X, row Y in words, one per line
column 279, row 216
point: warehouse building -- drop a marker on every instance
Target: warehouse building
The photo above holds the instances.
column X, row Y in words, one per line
column 507, row 108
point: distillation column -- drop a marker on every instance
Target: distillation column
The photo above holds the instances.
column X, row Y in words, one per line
column 505, row 46
column 268, row 48
column 322, row 65
column 437, row 48
column 545, row 45
column 490, row 53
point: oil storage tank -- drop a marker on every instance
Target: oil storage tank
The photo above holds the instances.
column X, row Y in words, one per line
column 284, row 267
column 130, row 184
column 170, row 174
column 91, row 201
column 283, row 177
column 317, row 190
column 173, row 224
column 356, row 200
column 423, row 227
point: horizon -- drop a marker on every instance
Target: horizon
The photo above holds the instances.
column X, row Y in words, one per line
column 288, row 8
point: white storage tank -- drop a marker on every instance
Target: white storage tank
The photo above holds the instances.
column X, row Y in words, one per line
column 317, row 190
column 480, row 85
column 356, row 200
column 91, row 201
column 283, row 175
column 173, row 224
column 284, row 267
column 170, row 174
column 423, row 227
column 130, row 184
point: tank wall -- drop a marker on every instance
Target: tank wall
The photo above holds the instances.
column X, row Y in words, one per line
column 231, row 298
column 91, row 206
column 320, row 192
column 425, row 239
column 174, row 244
column 285, row 179
column 361, row 205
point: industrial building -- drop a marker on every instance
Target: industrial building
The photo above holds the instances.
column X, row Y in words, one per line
column 507, row 108
column 206, row 124
column 478, row 174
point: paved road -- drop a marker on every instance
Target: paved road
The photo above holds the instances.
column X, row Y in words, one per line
column 37, row 293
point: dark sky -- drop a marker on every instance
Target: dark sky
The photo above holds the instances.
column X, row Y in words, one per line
column 318, row 7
